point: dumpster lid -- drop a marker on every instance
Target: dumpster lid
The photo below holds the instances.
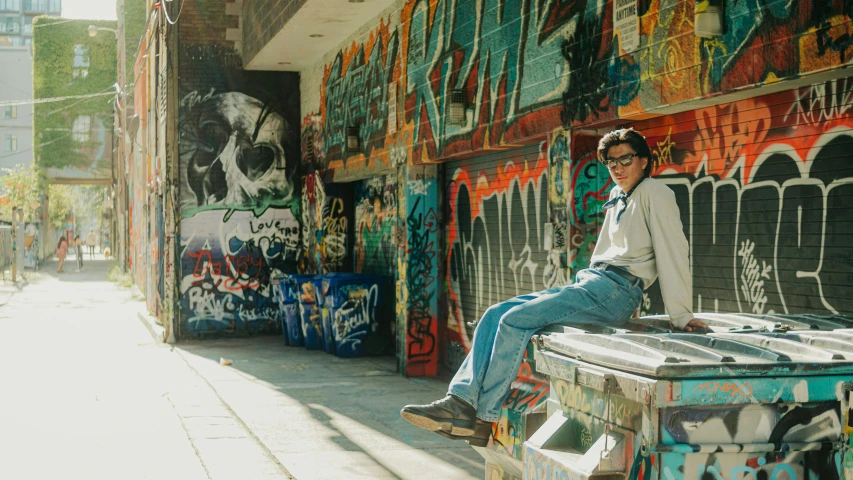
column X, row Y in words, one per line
column 682, row 355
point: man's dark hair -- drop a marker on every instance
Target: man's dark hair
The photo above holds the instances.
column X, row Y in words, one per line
column 633, row 138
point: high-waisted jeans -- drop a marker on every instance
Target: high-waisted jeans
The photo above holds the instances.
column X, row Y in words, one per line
column 501, row 336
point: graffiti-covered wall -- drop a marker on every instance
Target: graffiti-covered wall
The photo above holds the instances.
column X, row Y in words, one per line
column 418, row 274
column 764, row 187
column 502, row 238
column 327, row 226
column 240, row 190
column 376, row 225
column 528, row 67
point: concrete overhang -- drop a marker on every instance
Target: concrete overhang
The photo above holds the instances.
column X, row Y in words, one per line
column 314, row 29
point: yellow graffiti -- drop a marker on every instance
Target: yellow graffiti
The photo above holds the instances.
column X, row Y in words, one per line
column 586, row 438
column 572, row 398
column 663, row 152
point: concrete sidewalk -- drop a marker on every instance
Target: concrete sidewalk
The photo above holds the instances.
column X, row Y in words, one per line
column 89, row 394
column 323, row 417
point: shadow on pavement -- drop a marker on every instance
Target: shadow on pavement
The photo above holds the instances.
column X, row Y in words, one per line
column 334, row 406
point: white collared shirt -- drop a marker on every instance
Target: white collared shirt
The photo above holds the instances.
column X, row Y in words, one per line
column 649, row 242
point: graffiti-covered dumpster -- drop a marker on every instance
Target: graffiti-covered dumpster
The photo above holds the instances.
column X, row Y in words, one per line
column 354, row 309
column 288, row 289
column 757, row 397
column 309, row 311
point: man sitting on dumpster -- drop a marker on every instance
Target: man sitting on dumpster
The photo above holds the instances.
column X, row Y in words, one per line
column 641, row 240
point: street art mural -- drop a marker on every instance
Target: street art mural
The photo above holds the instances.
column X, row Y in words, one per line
column 747, row 425
column 327, row 223
column 420, row 275
column 313, row 198
column 589, row 184
column 359, row 78
column 529, row 67
column 496, row 237
column 232, row 154
column 376, row 224
column 528, row 70
column 240, row 196
column 762, row 186
column 227, row 266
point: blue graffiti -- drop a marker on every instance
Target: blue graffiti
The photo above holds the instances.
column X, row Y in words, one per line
column 486, row 49
column 781, row 471
column 363, row 91
column 743, row 20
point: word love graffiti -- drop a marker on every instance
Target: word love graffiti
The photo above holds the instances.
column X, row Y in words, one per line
column 274, row 238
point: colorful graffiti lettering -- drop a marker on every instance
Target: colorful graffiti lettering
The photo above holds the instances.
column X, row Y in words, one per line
column 226, row 275
column 489, row 66
column 421, row 281
column 355, row 318
column 528, row 390
column 362, row 85
column 496, row 237
column 376, row 221
column 333, row 248
column 760, row 197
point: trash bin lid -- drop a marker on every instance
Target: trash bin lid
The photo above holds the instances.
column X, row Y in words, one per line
column 685, row 355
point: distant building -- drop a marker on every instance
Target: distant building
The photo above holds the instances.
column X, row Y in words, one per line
column 16, row 76
column 16, row 121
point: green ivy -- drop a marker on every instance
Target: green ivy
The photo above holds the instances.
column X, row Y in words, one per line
column 135, row 21
column 54, row 41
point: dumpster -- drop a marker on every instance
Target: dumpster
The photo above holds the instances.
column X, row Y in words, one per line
column 276, row 285
column 353, row 309
column 309, row 312
column 755, row 398
column 288, row 288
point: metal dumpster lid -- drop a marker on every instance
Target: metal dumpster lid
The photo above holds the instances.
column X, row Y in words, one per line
column 729, row 351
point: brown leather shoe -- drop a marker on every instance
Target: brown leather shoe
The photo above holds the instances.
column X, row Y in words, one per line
column 480, row 438
column 449, row 415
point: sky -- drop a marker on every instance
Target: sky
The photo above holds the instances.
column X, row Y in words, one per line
column 89, row 9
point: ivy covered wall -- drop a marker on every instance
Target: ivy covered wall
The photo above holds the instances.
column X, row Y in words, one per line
column 73, row 138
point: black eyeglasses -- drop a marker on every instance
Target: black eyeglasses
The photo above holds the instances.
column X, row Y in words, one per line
column 625, row 160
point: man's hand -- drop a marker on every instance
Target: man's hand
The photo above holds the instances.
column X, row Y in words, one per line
column 696, row 326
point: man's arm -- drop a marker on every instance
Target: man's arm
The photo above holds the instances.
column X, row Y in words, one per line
column 671, row 257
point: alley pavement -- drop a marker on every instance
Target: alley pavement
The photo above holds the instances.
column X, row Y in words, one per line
column 87, row 393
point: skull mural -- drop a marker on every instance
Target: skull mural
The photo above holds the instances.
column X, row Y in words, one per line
column 232, row 153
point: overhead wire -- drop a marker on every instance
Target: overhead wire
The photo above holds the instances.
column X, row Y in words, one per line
column 35, row 146
column 166, row 12
column 34, row 101
column 112, row 87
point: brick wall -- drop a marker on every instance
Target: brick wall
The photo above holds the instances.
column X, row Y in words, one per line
column 263, row 19
column 206, row 22
column 239, row 190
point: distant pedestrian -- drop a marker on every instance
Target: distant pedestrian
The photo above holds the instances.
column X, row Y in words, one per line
column 61, row 250
column 78, row 247
column 91, row 241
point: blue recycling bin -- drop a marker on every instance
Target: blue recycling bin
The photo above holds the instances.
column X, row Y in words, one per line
column 354, row 307
column 276, row 285
column 309, row 312
column 288, row 289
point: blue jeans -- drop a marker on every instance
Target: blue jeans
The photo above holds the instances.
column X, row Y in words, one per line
column 484, row 378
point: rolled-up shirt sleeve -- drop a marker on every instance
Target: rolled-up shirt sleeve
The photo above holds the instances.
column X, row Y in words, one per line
column 672, row 257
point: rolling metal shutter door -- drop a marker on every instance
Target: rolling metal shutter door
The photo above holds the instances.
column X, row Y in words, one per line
column 496, row 209
column 765, row 187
